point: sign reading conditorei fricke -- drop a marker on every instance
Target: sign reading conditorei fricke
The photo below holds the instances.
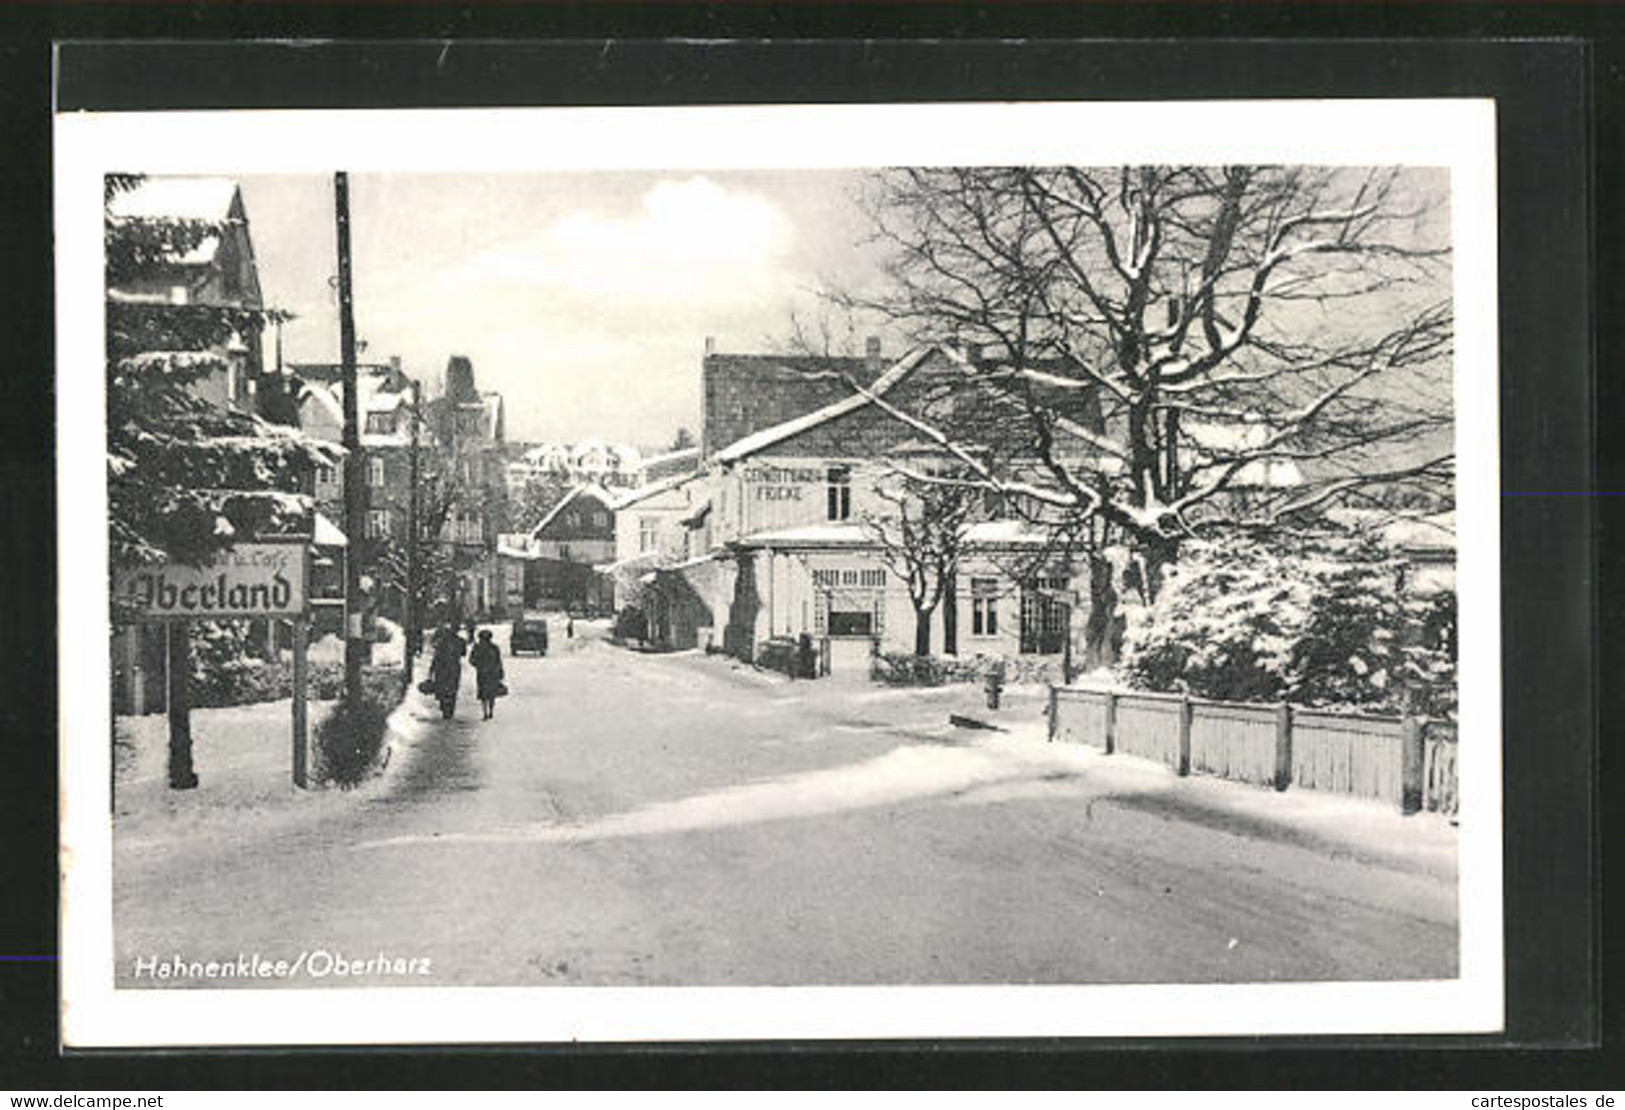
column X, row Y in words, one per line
column 248, row 580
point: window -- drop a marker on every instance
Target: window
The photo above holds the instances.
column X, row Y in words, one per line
column 467, row 527
column 600, row 518
column 984, row 606
column 380, row 423
column 840, row 492
column 375, row 472
column 851, row 622
column 326, row 476
column 1044, row 611
column 378, row 524
column 648, row 533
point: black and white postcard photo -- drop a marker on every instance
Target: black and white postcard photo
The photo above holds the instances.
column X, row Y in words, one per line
column 783, row 572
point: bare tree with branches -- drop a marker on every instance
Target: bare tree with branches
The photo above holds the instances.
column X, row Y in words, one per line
column 1256, row 343
column 921, row 535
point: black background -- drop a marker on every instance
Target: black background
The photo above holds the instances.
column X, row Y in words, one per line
column 1560, row 125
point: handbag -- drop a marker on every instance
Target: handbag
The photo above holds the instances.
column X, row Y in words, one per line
column 426, row 687
column 502, row 689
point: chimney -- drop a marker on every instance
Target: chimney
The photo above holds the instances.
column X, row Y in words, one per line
column 710, row 345
column 871, row 351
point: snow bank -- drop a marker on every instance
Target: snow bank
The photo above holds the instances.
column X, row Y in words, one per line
column 1015, row 767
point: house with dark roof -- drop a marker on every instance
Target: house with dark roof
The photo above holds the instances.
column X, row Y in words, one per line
column 218, row 271
column 780, row 530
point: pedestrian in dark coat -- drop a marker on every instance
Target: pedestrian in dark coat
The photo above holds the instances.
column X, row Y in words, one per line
column 487, row 661
column 446, row 668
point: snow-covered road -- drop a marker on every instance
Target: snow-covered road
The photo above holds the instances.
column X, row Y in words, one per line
column 632, row 819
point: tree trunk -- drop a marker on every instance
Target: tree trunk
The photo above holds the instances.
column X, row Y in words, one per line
column 950, row 615
column 181, row 775
column 922, row 632
column 1102, row 633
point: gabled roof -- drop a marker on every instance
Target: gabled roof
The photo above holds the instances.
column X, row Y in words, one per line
column 758, row 441
column 652, row 489
column 593, row 492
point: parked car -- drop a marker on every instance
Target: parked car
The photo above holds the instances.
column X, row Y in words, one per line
column 529, row 634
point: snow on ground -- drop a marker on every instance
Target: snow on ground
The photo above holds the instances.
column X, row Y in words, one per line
column 973, row 767
column 243, row 756
column 388, row 653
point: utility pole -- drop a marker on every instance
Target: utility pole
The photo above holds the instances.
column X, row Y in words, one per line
column 411, row 614
column 355, row 489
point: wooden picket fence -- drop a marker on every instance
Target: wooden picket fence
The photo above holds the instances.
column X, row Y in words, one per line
column 1404, row 761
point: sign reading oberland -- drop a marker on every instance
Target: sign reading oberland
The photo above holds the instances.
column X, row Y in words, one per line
column 248, row 580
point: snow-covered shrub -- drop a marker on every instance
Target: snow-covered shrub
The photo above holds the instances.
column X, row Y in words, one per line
column 349, row 740
column 1314, row 624
column 907, row 669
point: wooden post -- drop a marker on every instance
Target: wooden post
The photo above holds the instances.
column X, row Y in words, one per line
column 1054, row 712
column 1411, row 764
column 1184, row 766
column 356, row 648
column 301, row 747
column 1111, row 721
column 1283, row 746
column 178, row 668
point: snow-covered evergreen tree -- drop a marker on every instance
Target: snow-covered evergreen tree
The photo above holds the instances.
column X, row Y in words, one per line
column 187, row 476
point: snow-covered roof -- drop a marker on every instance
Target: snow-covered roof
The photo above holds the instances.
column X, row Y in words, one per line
column 1237, row 437
column 757, row 441
column 180, row 198
column 847, row 534
column 1433, row 532
column 987, row 533
column 327, row 534
column 682, row 454
column 997, row 533
column 322, row 397
column 593, row 492
column 652, row 489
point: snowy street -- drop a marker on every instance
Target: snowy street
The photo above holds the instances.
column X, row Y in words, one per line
column 677, row 819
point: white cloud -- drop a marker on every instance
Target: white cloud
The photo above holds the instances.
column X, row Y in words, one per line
column 690, row 240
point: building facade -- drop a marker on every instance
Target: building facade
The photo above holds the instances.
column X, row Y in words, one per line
column 784, row 534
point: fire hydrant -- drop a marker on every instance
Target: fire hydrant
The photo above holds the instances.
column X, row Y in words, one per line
column 993, row 683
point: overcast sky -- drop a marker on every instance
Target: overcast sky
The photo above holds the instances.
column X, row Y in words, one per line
column 585, row 299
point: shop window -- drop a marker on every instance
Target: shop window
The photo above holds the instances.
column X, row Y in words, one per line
column 377, row 524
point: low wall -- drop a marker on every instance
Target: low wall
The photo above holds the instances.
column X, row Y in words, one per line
column 1406, row 762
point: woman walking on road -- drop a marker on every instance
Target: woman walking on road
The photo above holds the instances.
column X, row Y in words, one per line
column 487, row 661
column 446, row 668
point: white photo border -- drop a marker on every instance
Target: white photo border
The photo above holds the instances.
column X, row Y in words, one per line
column 1458, row 134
